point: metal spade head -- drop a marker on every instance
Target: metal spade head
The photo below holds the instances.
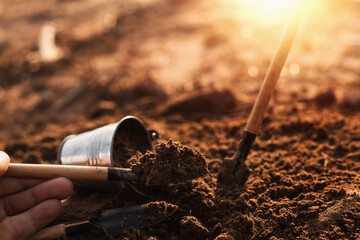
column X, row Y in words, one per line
column 114, row 221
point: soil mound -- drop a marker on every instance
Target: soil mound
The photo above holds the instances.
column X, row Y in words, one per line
column 159, row 211
column 170, row 163
column 191, row 228
column 325, row 98
column 214, row 103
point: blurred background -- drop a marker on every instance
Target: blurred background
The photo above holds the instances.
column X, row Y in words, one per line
column 89, row 58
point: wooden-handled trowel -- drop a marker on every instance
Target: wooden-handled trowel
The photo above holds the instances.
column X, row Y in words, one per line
column 112, row 221
column 236, row 170
column 72, row 172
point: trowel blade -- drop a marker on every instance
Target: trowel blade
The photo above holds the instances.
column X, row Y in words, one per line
column 114, row 221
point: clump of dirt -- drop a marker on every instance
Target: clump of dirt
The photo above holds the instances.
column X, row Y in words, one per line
column 146, row 89
column 209, row 104
column 191, row 228
column 171, row 162
column 158, row 211
column 196, row 196
column 325, row 98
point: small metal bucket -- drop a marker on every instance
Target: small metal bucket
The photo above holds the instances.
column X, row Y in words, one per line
column 96, row 147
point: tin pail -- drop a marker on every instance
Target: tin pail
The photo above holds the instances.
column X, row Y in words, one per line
column 96, row 147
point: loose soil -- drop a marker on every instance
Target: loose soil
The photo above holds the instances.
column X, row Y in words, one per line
column 131, row 139
column 123, row 150
column 191, row 70
column 159, row 211
column 171, row 162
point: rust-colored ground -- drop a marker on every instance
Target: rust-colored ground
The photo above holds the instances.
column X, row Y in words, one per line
column 191, row 71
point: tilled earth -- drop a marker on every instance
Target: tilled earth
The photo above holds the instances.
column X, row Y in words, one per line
column 191, row 71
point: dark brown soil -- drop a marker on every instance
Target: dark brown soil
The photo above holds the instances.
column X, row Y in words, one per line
column 191, row 228
column 171, row 162
column 191, row 70
column 123, row 150
column 131, row 139
column 210, row 104
column 159, row 211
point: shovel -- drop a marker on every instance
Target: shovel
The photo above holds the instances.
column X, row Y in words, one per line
column 112, row 221
column 85, row 173
column 71, row 172
column 68, row 171
column 236, row 168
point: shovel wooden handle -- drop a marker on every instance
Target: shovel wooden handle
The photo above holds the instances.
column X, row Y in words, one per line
column 54, row 171
column 72, row 172
column 53, row 232
column 262, row 101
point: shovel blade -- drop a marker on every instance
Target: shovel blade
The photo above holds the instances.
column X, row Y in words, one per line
column 114, row 221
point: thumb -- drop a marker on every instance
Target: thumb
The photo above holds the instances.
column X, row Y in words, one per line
column 4, row 163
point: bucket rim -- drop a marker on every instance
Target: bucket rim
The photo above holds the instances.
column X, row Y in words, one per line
column 118, row 125
column 124, row 119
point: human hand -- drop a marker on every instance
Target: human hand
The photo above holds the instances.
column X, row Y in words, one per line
column 28, row 204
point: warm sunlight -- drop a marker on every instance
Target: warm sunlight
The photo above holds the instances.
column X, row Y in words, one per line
column 262, row 11
column 271, row 10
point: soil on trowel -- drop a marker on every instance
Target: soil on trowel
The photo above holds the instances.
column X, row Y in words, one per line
column 171, row 162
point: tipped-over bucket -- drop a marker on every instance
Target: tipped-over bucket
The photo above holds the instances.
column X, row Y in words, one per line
column 96, row 147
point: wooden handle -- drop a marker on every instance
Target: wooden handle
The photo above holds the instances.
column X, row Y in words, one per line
column 53, row 232
column 53, row 171
column 262, row 101
column 4, row 163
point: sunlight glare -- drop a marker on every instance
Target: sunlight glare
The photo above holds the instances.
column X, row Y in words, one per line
column 270, row 10
column 273, row 8
column 262, row 11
